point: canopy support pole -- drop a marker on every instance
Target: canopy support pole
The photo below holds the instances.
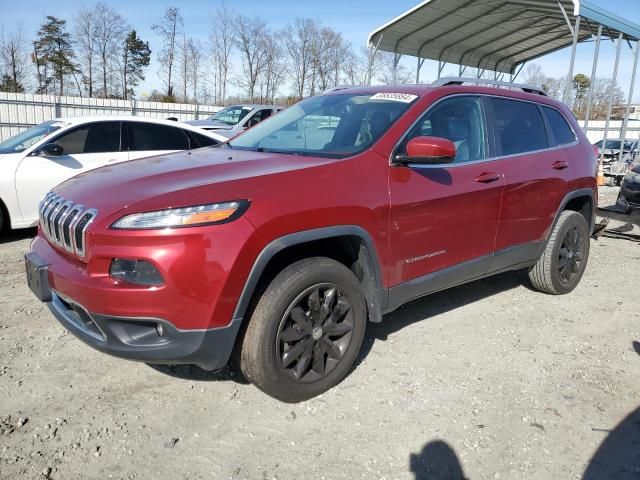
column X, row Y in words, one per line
column 517, row 72
column 633, row 81
column 441, row 66
column 594, row 70
column 576, row 32
column 613, row 92
column 420, row 63
column 372, row 56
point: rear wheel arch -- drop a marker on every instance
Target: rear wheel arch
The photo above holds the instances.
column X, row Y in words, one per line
column 350, row 245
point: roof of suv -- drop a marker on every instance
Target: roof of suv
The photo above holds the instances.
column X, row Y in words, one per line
column 513, row 90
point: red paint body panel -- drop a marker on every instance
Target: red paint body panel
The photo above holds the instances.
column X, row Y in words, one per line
column 420, row 220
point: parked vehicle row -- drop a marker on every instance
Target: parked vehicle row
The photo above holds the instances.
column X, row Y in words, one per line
column 618, row 157
column 233, row 120
column 282, row 243
column 36, row 160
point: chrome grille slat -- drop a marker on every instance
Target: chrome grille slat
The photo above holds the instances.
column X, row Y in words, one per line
column 64, row 223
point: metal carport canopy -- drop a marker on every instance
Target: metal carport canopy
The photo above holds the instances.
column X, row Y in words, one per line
column 495, row 35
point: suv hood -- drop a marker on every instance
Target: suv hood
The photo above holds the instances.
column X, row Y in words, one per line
column 205, row 175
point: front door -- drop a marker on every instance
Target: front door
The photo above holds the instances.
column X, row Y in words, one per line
column 447, row 214
column 83, row 148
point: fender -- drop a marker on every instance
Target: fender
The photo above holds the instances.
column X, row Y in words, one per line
column 375, row 302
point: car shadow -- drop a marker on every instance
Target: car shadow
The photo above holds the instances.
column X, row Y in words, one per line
column 618, row 456
column 16, row 235
column 418, row 310
column 436, row 304
column 436, row 461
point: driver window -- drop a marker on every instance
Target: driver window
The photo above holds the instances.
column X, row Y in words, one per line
column 458, row 119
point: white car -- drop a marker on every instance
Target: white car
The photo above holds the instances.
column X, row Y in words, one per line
column 38, row 159
column 235, row 119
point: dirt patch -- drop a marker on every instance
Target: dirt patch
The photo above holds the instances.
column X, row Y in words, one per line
column 489, row 380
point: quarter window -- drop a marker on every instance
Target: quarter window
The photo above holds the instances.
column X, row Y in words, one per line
column 149, row 137
column 458, row 119
column 99, row 137
column 520, row 127
column 560, row 129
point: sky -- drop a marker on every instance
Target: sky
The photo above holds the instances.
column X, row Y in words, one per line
column 355, row 19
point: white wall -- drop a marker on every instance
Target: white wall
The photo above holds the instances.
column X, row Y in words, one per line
column 20, row 111
column 596, row 129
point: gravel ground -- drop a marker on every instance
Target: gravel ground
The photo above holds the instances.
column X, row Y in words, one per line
column 486, row 381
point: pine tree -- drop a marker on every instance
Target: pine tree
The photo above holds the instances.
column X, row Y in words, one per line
column 55, row 50
column 9, row 84
column 135, row 57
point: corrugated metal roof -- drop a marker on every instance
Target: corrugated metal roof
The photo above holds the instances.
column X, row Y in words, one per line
column 494, row 35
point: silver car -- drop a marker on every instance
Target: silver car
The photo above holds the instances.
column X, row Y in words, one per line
column 235, row 119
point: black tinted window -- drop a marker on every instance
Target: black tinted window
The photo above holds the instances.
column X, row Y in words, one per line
column 460, row 120
column 147, row 136
column 100, row 137
column 520, row 127
column 560, row 128
column 198, row 141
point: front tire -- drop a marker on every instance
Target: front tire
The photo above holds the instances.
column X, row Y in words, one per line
column 561, row 266
column 306, row 330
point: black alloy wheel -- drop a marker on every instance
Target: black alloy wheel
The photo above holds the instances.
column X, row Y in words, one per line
column 314, row 333
column 571, row 255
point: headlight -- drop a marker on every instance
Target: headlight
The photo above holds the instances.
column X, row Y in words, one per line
column 183, row 217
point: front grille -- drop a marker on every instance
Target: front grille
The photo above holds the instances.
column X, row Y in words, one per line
column 65, row 223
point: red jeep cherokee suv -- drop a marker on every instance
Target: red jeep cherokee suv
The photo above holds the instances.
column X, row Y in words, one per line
column 282, row 243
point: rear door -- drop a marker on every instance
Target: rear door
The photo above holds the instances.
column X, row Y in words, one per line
column 85, row 147
column 535, row 143
column 447, row 214
column 147, row 139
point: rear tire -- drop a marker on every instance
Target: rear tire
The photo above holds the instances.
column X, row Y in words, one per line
column 565, row 256
column 306, row 330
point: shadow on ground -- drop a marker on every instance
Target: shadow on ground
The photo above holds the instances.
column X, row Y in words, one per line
column 437, row 304
column 618, row 457
column 418, row 310
column 15, row 235
column 436, row 461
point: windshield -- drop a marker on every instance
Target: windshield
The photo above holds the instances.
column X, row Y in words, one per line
column 22, row 141
column 327, row 126
column 231, row 115
column 614, row 144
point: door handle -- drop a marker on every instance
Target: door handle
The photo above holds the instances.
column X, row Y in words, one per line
column 560, row 165
column 488, row 177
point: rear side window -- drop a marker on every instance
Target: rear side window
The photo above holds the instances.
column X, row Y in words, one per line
column 98, row 137
column 520, row 127
column 560, row 128
column 149, row 137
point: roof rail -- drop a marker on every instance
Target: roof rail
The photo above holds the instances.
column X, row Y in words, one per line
column 441, row 82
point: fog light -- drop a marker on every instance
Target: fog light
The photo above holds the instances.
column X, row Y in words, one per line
column 139, row 272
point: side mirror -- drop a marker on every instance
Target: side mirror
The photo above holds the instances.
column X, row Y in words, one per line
column 428, row 150
column 50, row 150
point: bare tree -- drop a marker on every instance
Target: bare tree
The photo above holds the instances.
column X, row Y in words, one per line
column 169, row 29
column 195, row 64
column 14, row 58
column 392, row 72
column 221, row 40
column 355, row 66
column 329, row 55
column 299, row 43
column 274, row 72
column 110, row 32
column 85, row 33
column 533, row 75
column 250, row 39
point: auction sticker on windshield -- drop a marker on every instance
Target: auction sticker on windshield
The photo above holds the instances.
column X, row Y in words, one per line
column 395, row 97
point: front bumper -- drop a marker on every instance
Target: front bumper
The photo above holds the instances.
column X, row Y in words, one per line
column 631, row 193
column 150, row 340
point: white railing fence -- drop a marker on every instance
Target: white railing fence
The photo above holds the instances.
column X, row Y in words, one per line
column 20, row 111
